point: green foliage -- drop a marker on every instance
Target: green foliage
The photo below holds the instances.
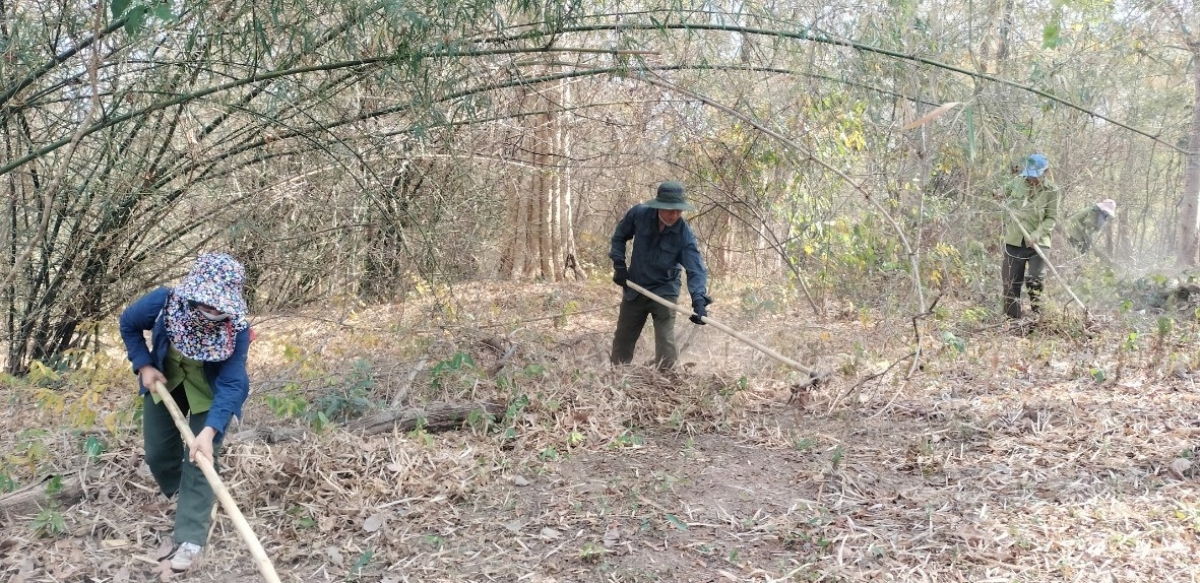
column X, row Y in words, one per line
column 349, row 402
column 93, row 447
column 954, row 342
column 592, row 552
column 627, row 438
column 30, row 450
column 54, row 485
column 361, row 563
column 516, row 406
column 460, row 366
column 289, row 404
column 48, row 523
column 7, row 482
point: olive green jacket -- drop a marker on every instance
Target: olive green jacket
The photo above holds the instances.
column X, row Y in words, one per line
column 1083, row 226
column 1035, row 207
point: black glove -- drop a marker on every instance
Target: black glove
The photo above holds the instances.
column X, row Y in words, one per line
column 620, row 274
column 700, row 307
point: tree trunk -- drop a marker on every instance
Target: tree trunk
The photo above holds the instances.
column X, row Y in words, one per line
column 1189, row 203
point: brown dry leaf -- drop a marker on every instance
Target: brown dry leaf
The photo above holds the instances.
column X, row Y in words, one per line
column 121, row 576
column 520, row 480
column 23, row 570
column 113, row 543
column 164, row 571
column 165, row 548
column 373, row 523
column 1179, row 467
column 612, row 535
column 550, row 533
column 335, row 556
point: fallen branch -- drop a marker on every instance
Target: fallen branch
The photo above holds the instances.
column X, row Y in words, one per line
column 34, row 496
column 442, row 417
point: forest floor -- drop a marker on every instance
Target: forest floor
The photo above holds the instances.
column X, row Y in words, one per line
column 1055, row 451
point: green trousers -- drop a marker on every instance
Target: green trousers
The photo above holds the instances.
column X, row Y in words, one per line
column 630, row 322
column 168, row 460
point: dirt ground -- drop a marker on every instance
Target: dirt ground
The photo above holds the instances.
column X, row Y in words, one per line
column 1052, row 453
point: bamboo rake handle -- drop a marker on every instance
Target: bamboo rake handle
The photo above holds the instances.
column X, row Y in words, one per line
column 723, row 328
column 239, row 522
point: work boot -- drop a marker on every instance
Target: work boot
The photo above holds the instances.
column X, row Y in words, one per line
column 1035, row 287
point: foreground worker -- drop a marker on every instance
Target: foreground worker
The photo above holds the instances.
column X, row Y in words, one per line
column 662, row 243
column 1032, row 206
column 199, row 338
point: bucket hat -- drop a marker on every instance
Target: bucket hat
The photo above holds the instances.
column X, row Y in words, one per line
column 216, row 279
column 670, row 197
column 1035, row 166
column 1108, row 206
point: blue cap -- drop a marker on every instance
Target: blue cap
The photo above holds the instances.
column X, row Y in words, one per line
column 1035, row 166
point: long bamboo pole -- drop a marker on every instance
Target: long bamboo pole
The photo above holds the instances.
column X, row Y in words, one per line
column 239, row 522
column 723, row 328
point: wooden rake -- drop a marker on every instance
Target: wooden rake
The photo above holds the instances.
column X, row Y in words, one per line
column 210, row 473
column 814, row 377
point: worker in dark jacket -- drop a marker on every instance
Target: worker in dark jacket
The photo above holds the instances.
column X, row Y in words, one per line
column 1031, row 204
column 663, row 242
column 1083, row 225
column 199, row 339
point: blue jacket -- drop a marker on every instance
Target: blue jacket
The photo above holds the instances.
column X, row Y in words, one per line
column 657, row 257
column 228, row 379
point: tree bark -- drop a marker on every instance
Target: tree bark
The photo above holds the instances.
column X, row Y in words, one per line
column 1189, row 204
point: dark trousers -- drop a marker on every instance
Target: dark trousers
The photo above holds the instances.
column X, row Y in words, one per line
column 1022, row 267
column 168, row 460
column 630, row 322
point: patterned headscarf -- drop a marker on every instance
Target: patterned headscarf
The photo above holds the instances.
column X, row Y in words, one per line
column 216, row 280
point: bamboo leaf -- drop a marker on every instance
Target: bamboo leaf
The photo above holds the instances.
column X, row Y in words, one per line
column 1051, row 37
column 137, row 17
column 119, row 7
column 936, row 113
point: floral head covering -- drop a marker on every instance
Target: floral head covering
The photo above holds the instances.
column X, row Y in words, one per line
column 215, row 280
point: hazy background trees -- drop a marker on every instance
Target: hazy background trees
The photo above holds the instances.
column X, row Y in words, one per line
column 351, row 149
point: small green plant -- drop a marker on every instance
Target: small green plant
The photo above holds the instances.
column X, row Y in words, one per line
column 434, row 541
column 289, row 404
column 550, row 454
column 446, row 368
column 515, row 407
column 805, row 443
column 94, row 447
column 362, row 562
column 7, row 482
column 592, row 552
column 54, row 485
column 628, row 439
column 350, row 402
column 48, row 523
column 575, row 438
column 302, row 519
column 954, row 342
column 836, row 460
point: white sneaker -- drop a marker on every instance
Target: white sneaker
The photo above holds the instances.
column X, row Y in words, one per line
column 186, row 556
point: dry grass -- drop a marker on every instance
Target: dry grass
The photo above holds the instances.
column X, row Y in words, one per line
column 1048, row 453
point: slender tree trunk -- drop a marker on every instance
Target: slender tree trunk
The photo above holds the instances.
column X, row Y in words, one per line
column 1189, row 203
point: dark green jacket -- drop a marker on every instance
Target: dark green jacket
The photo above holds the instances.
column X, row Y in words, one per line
column 1035, row 207
column 1083, row 226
